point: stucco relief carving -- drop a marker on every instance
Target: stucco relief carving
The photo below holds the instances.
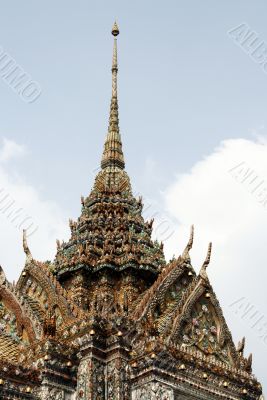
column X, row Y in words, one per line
column 153, row 391
column 52, row 394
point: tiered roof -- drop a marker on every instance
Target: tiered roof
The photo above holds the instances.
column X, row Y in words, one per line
column 163, row 316
column 111, row 231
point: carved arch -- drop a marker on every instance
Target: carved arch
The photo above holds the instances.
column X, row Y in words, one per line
column 183, row 312
column 155, row 294
column 23, row 322
column 55, row 294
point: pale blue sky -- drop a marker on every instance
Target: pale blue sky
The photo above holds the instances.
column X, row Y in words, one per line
column 184, row 87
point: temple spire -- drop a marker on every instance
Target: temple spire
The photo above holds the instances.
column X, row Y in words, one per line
column 113, row 155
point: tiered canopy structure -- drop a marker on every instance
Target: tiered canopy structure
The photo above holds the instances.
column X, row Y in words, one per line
column 109, row 318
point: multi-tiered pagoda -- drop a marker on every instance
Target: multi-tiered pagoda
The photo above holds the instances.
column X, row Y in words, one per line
column 110, row 318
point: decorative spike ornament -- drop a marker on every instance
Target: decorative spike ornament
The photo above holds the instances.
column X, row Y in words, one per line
column 249, row 363
column 241, row 346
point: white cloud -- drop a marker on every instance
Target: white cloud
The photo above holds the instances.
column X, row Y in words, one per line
column 11, row 149
column 220, row 196
column 21, row 207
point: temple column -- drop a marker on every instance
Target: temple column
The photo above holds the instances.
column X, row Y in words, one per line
column 57, row 373
column 118, row 373
column 103, row 372
column 91, row 372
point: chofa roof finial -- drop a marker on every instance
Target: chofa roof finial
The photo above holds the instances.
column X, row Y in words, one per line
column 203, row 271
column 26, row 249
column 186, row 255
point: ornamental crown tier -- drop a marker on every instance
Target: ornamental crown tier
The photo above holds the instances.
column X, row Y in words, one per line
column 109, row 318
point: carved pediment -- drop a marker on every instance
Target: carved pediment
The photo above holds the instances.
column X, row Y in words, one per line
column 204, row 331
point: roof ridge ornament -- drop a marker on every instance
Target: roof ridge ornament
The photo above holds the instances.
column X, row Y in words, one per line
column 186, row 255
column 26, row 249
column 203, row 271
column 113, row 155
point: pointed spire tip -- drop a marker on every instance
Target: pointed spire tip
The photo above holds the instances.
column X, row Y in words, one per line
column 115, row 29
column 113, row 154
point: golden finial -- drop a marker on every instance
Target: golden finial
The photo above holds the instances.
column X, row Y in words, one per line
column 115, row 29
